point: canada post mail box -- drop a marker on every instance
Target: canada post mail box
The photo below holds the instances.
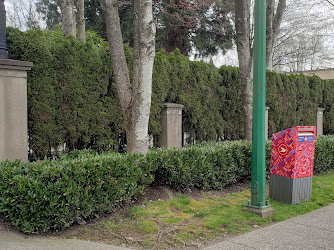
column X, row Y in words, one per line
column 291, row 167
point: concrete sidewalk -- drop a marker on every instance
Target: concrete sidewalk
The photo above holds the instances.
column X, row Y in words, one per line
column 12, row 240
column 314, row 230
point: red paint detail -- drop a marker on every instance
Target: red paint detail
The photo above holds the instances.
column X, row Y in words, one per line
column 297, row 161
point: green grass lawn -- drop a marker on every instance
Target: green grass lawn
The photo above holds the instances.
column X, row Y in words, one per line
column 182, row 221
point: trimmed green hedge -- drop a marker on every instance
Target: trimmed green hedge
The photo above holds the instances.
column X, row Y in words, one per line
column 50, row 195
column 324, row 153
column 72, row 96
column 214, row 165
column 206, row 166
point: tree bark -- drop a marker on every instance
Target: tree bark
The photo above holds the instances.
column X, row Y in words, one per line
column 81, row 20
column 273, row 22
column 135, row 96
column 143, row 57
column 269, row 33
column 245, row 56
column 68, row 18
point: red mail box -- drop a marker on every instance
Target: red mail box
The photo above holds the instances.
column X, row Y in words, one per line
column 291, row 168
column 292, row 153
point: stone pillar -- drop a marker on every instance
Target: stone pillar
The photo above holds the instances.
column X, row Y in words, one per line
column 13, row 110
column 320, row 121
column 171, row 123
column 266, row 120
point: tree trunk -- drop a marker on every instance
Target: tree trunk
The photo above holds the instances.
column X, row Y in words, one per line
column 67, row 15
column 143, row 57
column 273, row 22
column 269, row 33
column 135, row 96
column 245, row 56
column 81, row 20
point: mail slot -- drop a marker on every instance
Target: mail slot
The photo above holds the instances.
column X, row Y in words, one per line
column 291, row 167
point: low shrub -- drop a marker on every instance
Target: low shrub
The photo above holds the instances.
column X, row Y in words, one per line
column 49, row 195
column 214, row 165
column 324, row 153
column 205, row 166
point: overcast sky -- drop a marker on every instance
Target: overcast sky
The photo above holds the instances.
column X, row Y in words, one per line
column 321, row 10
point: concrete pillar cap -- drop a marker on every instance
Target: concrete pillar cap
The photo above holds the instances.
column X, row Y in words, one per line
column 173, row 105
column 15, row 64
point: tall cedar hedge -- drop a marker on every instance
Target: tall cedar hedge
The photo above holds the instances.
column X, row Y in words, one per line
column 72, row 97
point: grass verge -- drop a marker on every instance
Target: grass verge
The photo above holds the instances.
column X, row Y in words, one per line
column 185, row 222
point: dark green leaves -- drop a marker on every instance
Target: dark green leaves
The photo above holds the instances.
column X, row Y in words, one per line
column 49, row 195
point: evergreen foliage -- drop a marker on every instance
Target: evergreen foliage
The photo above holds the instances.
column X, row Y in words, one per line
column 72, row 97
column 324, row 153
column 195, row 85
column 50, row 12
column 231, row 102
column 328, row 101
column 293, row 101
column 203, row 25
column 203, row 166
column 51, row 195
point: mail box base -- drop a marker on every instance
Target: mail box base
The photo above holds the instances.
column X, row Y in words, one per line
column 290, row 190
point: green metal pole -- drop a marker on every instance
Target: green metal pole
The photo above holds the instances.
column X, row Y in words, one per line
column 258, row 184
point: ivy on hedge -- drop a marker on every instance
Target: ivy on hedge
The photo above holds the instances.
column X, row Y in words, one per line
column 72, row 97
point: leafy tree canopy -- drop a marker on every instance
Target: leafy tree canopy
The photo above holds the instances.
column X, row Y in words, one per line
column 201, row 26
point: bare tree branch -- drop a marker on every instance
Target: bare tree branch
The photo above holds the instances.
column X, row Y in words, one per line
column 329, row 2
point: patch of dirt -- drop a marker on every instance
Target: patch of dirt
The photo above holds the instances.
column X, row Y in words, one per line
column 4, row 225
column 233, row 188
column 155, row 193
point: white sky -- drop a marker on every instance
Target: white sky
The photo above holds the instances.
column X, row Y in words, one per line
column 312, row 7
column 319, row 8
